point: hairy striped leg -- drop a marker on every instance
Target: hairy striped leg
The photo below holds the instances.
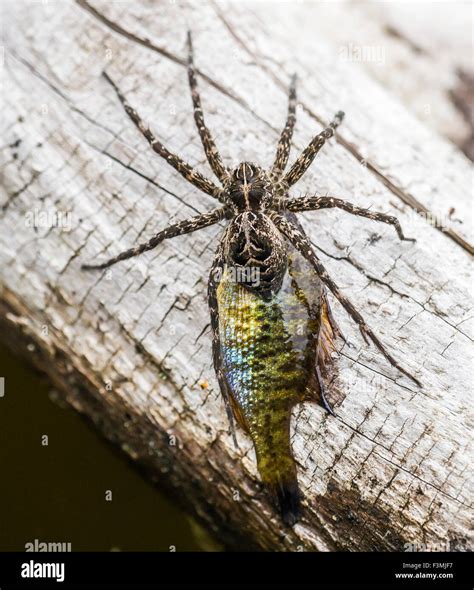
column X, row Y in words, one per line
column 191, row 175
column 310, row 152
column 208, row 144
column 214, row 279
column 315, row 203
column 303, row 245
column 283, row 149
column 182, row 227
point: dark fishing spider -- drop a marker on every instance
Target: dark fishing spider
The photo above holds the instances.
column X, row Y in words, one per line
column 260, row 211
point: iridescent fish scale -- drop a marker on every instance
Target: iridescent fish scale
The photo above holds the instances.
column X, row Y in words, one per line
column 269, row 351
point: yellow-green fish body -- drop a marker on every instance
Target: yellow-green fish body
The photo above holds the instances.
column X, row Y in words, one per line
column 269, row 351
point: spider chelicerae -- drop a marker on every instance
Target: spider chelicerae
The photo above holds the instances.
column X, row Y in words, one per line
column 259, row 210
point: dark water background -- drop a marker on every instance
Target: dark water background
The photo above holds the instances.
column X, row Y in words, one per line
column 56, row 493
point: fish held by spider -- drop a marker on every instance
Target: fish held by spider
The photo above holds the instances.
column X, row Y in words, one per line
column 271, row 352
column 273, row 331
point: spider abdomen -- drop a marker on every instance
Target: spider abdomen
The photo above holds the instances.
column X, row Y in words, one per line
column 257, row 253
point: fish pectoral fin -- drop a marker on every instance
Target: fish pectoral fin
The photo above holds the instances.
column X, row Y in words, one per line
column 329, row 320
column 316, row 392
column 237, row 413
column 328, row 333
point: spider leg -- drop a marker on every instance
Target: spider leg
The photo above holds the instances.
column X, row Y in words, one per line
column 191, row 175
column 303, row 245
column 283, row 149
column 182, row 227
column 209, row 146
column 213, row 284
column 310, row 152
column 315, row 203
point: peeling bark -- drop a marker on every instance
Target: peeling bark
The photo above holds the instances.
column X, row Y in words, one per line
column 131, row 348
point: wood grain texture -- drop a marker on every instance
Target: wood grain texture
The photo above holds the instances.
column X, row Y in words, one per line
column 419, row 51
column 131, row 348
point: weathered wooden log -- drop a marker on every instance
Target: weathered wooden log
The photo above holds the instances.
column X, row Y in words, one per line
column 130, row 348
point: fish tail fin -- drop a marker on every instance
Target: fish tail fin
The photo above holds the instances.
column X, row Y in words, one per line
column 275, row 461
column 286, row 495
column 281, row 483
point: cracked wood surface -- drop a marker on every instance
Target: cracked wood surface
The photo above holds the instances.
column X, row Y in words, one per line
column 131, row 348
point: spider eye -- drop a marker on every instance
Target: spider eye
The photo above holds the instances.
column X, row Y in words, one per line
column 245, row 172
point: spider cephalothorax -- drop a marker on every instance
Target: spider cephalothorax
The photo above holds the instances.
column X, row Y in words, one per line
column 253, row 244
column 248, row 188
column 256, row 317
